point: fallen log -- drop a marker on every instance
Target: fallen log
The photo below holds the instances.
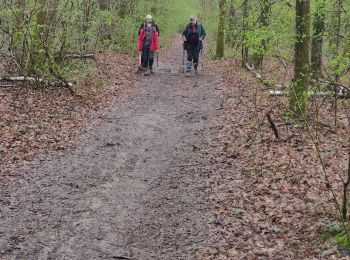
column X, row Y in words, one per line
column 310, row 93
column 51, row 83
column 267, row 83
column 344, row 91
column 341, row 87
column 5, row 85
column 278, row 93
column 39, row 80
column 80, row 55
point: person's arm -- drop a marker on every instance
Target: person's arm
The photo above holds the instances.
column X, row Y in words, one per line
column 156, row 43
column 140, row 41
column 184, row 34
column 203, row 32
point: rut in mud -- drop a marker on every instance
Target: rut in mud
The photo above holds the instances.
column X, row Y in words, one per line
column 133, row 187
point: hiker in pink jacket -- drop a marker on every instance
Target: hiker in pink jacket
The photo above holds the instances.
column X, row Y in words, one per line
column 148, row 44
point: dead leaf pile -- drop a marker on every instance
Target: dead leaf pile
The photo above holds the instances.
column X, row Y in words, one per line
column 273, row 201
column 33, row 121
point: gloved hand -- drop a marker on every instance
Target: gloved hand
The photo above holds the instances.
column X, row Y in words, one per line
column 185, row 45
column 200, row 38
column 184, row 38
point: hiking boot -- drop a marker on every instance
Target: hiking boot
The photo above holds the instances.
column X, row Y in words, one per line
column 151, row 70
column 147, row 72
column 196, row 71
column 188, row 74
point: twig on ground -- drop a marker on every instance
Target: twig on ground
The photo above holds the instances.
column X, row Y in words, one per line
column 113, row 256
column 272, row 124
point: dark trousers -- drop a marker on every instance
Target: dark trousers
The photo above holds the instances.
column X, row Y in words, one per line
column 192, row 57
column 147, row 58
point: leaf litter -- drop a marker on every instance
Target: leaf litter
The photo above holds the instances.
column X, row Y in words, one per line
column 273, row 201
column 271, row 195
column 38, row 121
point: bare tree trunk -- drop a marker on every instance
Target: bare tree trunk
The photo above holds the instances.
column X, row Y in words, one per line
column 347, row 50
column 245, row 50
column 88, row 7
column 220, row 43
column 298, row 91
column 336, row 39
column 335, row 44
column 317, row 38
column 105, row 33
column 16, row 41
column 263, row 24
column 104, row 5
column 37, row 60
column 124, row 9
column 232, row 24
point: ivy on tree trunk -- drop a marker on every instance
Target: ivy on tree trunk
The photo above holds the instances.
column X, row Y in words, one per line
column 298, row 90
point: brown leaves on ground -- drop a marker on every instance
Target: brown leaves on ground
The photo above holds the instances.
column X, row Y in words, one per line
column 48, row 119
column 271, row 195
column 272, row 198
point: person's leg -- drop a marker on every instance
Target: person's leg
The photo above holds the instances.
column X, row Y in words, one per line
column 146, row 62
column 196, row 59
column 151, row 61
column 144, row 58
column 189, row 59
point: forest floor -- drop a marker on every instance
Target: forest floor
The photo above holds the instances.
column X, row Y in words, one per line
column 164, row 167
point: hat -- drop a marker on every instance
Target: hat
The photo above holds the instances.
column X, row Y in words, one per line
column 149, row 17
column 193, row 18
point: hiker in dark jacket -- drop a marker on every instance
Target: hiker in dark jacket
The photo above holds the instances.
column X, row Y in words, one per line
column 148, row 45
column 193, row 37
column 149, row 18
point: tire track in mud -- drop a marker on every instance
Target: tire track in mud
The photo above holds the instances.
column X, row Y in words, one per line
column 134, row 186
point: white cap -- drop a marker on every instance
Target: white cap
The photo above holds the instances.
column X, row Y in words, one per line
column 193, row 18
column 149, row 17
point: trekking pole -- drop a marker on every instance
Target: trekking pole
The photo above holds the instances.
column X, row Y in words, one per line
column 140, row 58
column 183, row 60
column 157, row 59
column 202, row 57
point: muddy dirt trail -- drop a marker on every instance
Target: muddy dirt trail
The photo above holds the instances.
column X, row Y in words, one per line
column 131, row 188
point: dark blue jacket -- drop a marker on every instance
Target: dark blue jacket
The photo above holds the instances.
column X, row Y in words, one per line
column 200, row 31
